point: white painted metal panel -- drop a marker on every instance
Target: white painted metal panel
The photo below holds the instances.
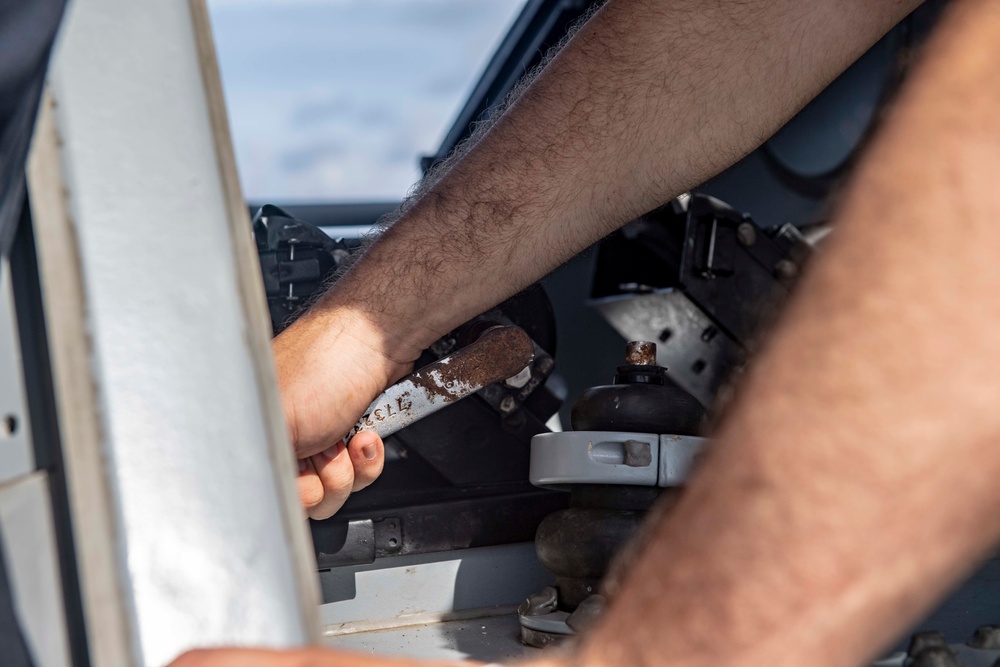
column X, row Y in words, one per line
column 180, row 473
column 393, row 591
column 30, row 556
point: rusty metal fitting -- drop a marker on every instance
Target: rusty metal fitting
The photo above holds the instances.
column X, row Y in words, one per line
column 499, row 353
column 640, row 353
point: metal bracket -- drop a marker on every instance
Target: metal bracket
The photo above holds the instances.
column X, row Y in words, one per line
column 612, row 457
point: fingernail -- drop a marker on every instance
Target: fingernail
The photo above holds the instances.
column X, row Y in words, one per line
column 303, row 464
column 328, row 454
column 370, row 451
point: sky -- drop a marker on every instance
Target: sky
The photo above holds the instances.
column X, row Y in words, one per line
column 336, row 100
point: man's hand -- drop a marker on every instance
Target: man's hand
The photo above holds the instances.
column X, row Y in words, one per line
column 647, row 100
column 329, row 369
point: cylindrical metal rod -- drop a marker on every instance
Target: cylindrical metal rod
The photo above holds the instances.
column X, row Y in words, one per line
column 499, row 353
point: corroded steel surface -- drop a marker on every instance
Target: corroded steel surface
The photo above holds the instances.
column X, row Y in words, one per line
column 499, row 353
column 640, row 353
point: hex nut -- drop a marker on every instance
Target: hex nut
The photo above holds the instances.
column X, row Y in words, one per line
column 543, row 602
column 986, row 637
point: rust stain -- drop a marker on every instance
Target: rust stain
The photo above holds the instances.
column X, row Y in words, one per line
column 500, row 353
column 640, row 353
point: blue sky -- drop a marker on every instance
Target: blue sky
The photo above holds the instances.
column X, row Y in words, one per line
column 335, row 100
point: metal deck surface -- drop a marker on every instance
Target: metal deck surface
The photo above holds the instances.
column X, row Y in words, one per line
column 442, row 630
column 487, row 639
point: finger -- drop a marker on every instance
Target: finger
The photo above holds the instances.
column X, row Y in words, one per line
column 368, row 455
column 310, row 486
column 336, row 472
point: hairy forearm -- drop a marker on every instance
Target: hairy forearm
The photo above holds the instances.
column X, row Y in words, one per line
column 856, row 480
column 648, row 99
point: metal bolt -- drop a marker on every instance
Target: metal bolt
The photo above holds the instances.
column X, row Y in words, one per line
column 545, row 365
column 923, row 640
column 785, row 270
column 746, row 234
column 508, row 405
column 519, row 380
column 640, row 353
column 986, row 637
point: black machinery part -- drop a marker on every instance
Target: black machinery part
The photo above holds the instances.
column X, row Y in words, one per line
column 296, row 259
column 641, row 400
column 578, row 544
column 455, row 479
column 700, row 254
column 736, row 272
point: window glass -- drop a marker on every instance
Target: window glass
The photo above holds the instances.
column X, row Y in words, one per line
column 336, row 100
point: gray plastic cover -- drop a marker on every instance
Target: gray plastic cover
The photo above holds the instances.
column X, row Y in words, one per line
column 612, row 457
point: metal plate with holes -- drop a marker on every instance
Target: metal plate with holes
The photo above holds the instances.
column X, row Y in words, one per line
column 16, row 457
column 695, row 353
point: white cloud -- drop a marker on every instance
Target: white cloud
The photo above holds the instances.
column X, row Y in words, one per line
column 337, row 99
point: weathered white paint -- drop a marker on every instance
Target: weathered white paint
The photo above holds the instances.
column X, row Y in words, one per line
column 181, row 476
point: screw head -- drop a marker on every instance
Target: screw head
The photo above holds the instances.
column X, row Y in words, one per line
column 508, row 405
column 785, row 270
column 746, row 234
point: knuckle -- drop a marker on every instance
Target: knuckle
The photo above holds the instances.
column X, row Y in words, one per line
column 338, row 475
column 339, row 487
column 330, row 505
column 310, row 492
